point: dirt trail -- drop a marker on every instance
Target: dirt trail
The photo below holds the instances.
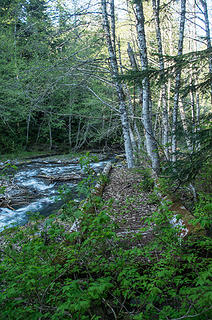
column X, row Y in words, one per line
column 131, row 206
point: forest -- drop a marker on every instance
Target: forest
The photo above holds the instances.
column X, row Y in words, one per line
column 133, row 78
column 77, row 75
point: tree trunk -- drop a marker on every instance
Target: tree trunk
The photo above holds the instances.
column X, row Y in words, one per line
column 50, row 133
column 208, row 38
column 85, row 135
column 177, row 81
column 28, row 125
column 118, row 85
column 69, row 131
column 108, row 130
column 194, row 95
column 134, row 67
column 134, row 133
column 78, row 134
column 112, row 25
column 197, row 105
column 39, row 130
column 165, row 118
column 185, row 127
column 151, row 144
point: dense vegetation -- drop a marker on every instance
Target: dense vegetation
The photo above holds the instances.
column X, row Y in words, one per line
column 56, row 85
column 92, row 273
column 49, row 61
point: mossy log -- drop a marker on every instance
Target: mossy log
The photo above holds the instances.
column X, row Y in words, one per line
column 96, row 191
column 99, row 187
column 179, row 209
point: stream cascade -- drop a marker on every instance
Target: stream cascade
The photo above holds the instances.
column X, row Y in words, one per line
column 38, row 193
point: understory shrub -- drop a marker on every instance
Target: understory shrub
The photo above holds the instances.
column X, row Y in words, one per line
column 51, row 273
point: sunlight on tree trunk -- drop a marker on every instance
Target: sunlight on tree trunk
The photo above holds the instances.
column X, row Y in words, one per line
column 118, row 85
column 177, row 81
column 151, row 144
column 165, row 119
column 208, row 39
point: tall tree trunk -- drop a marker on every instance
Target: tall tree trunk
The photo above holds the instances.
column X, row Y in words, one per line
column 78, row 134
column 157, row 123
column 177, row 81
column 197, row 112
column 194, row 48
column 39, row 130
column 191, row 90
column 69, row 131
column 134, row 133
column 112, row 25
column 28, row 126
column 151, row 144
column 15, row 51
column 50, row 133
column 134, row 67
column 118, row 85
column 194, row 94
column 208, row 39
column 185, row 127
column 85, row 135
column 165, row 119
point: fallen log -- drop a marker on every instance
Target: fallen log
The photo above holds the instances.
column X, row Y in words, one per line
column 42, row 156
column 40, row 161
column 96, row 191
column 5, row 203
column 60, row 178
column 99, row 187
column 175, row 206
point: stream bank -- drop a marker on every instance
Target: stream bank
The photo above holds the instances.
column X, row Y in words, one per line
column 114, row 266
column 34, row 186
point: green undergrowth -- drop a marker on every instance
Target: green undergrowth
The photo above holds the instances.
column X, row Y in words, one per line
column 92, row 273
column 204, row 178
column 21, row 154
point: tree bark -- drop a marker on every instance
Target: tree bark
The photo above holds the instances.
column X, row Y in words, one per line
column 85, row 136
column 134, row 133
column 50, row 133
column 78, row 134
column 134, row 67
column 28, row 126
column 208, row 39
column 69, row 131
column 194, row 94
column 151, row 144
column 165, row 118
column 185, row 127
column 177, row 81
column 118, row 85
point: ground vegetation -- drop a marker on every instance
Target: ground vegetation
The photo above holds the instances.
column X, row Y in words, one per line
column 122, row 260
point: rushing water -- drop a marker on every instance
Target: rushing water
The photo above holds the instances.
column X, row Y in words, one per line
column 42, row 194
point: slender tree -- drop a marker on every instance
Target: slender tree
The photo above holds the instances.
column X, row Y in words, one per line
column 165, row 118
column 208, row 38
column 115, row 76
column 177, row 81
column 151, row 144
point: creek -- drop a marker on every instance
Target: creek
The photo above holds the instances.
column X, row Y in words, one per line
column 34, row 190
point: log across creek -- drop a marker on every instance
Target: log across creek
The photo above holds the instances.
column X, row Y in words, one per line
column 34, row 186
